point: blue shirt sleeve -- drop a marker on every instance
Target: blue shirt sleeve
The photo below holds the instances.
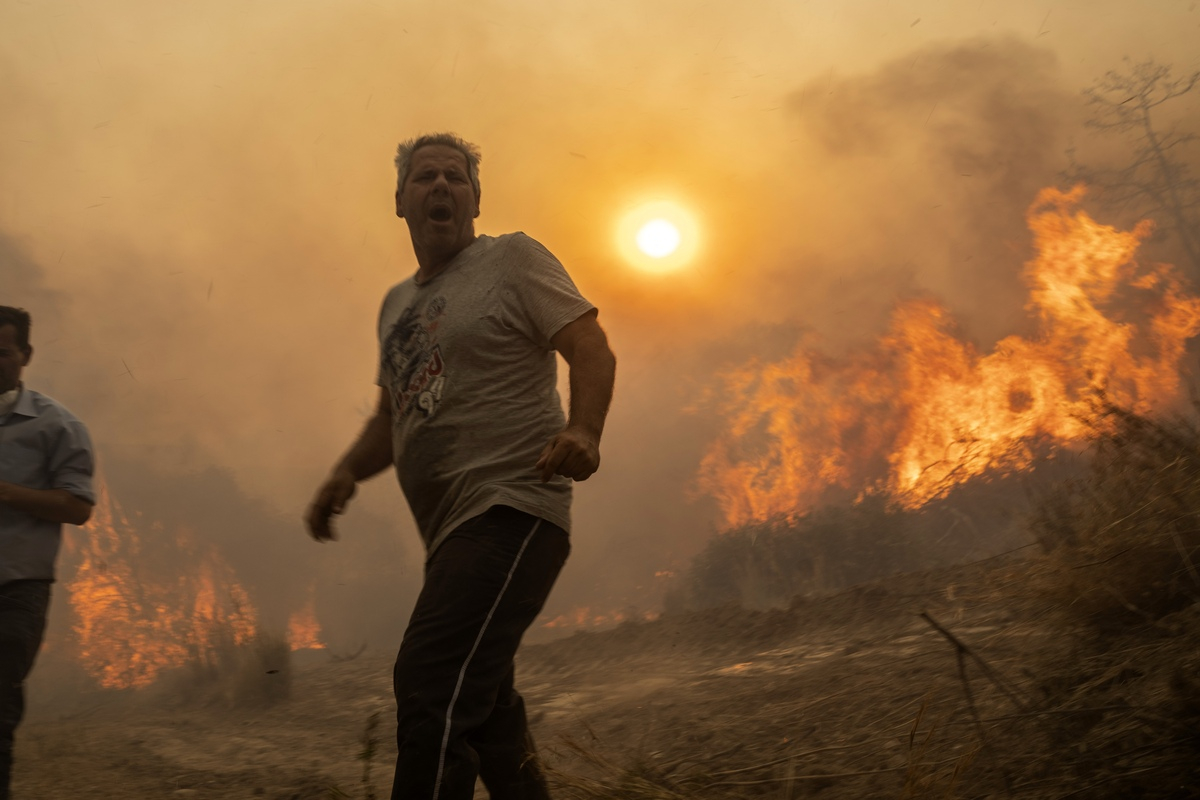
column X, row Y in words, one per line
column 72, row 461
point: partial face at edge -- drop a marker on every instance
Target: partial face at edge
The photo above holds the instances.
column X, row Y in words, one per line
column 12, row 358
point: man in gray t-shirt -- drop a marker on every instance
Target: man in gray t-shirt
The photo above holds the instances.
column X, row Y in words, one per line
column 470, row 418
column 467, row 361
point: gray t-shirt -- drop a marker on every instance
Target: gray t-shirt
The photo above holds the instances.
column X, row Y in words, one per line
column 467, row 361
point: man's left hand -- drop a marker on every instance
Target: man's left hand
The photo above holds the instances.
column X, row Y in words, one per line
column 574, row 453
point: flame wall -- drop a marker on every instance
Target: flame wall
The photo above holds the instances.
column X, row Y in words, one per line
column 924, row 410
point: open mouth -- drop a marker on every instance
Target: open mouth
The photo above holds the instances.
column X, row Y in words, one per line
column 440, row 214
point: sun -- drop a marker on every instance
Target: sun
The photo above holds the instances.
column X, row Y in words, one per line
column 659, row 236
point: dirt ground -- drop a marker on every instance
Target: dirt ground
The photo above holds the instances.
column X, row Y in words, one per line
column 856, row 695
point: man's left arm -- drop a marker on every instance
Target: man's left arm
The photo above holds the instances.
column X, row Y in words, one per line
column 575, row 451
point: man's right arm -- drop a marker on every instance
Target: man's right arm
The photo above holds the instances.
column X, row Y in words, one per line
column 370, row 454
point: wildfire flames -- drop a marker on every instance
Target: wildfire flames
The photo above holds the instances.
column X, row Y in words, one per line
column 922, row 410
column 130, row 628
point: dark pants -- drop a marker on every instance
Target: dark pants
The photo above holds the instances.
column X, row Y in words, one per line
column 23, row 606
column 458, row 715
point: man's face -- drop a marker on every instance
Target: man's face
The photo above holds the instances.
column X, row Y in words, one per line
column 12, row 358
column 437, row 200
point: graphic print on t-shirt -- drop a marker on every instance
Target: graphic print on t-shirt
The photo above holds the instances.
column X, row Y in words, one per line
column 413, row 360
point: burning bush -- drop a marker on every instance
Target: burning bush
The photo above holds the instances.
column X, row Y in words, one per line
column 923, row 410
column 150, row 600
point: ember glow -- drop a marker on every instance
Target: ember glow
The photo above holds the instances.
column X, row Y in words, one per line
column 131, row 625
column 922, row 410
column 584, row 618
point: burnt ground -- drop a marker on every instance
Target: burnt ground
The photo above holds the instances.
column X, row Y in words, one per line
column 851, row 696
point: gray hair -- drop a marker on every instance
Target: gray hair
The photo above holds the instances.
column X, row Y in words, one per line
column 405, row 150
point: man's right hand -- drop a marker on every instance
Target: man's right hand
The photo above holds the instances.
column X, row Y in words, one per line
column 331, row 499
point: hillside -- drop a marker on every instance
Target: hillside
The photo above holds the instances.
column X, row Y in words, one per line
column 854, row 695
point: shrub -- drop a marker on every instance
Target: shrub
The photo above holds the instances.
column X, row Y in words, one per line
column 256, row 673
column 1122, row 540
column 769, row 563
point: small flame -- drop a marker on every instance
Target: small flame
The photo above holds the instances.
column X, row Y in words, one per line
column 304, row 632
column 923, row 411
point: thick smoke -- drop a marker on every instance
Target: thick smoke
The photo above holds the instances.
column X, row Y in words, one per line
column 24, row 279
column 172, row 488
column 930, row 162
column 208, row 207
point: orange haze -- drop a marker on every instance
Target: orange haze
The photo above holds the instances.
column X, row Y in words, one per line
column 196, row 207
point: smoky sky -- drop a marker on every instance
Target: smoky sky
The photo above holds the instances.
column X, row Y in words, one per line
column 196, row 205
column 24, row 278
column 943, row 149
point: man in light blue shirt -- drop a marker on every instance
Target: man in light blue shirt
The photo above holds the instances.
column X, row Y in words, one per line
column 46, row 467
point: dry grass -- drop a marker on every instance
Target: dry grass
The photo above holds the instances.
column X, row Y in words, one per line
column 1072, row 673
column 253, row 674
column 1123, row 541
